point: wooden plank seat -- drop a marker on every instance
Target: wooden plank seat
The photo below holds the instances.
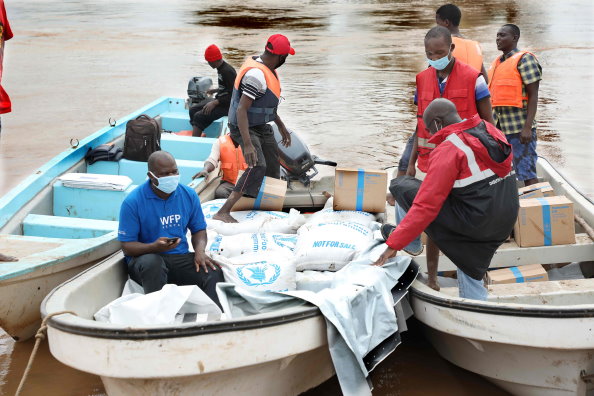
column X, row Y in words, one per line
column 510, row 254
column 88, row 204
column 66, row 227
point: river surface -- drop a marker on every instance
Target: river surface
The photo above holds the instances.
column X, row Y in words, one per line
column 348, row 91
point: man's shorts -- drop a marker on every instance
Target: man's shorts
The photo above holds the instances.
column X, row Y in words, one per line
column 263, row 140
column 524, row 156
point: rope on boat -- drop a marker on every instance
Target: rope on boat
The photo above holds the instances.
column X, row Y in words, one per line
column 586, row 226
column 39, row 336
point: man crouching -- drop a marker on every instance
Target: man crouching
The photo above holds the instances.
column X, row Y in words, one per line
column 468, row 202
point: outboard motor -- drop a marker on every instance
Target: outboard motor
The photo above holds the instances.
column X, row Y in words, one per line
column 296, row 160
column 197, row 88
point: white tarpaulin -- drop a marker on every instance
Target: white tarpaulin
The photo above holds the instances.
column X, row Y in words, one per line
column 166, row 306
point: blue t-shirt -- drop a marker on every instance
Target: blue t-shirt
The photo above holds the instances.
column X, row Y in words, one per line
column 144, row 216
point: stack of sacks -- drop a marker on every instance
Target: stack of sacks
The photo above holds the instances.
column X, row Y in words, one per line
column 256, row 252
column 331, row 239
column 252, row 221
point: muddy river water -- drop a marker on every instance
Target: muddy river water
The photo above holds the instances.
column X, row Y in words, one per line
column 348, row 91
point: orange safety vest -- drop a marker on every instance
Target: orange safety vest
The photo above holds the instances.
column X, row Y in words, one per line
column 231, row 159
column 262, row 110
column 505, row 81
column 468, row 51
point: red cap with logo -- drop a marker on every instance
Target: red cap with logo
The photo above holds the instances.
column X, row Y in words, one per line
column 212, row 53
column 279, row 45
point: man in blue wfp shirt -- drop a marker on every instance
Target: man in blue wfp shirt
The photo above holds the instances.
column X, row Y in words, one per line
column 154, row 220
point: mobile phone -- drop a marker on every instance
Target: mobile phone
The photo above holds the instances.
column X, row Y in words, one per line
column 171, row 240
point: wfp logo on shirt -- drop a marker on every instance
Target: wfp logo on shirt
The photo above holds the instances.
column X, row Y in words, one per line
column 171, row 221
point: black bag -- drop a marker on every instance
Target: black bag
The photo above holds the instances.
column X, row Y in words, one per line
column 104, row 152
column 197, row 88
column 143, row 137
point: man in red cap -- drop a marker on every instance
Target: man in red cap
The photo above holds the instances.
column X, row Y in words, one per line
column 203, row 114
column 254, row 103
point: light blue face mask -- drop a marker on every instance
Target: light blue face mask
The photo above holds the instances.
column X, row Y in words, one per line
column 441, row 63
column 167, row 184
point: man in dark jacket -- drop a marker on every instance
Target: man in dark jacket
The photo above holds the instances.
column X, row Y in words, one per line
column 203, row 114
column 468, row 202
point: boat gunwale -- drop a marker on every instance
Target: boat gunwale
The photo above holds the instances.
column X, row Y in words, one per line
column 507, row 309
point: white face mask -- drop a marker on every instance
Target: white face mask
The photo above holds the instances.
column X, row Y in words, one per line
column 167, row 184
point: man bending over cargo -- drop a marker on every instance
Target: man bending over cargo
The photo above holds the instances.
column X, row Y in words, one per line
column 154, row 220
column 254, row 103
column 468, row 202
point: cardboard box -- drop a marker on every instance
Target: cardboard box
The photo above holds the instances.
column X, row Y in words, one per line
column 270, row 197
column 360, row 189
column 524, row 273
column 537, row 190
column 544, row 222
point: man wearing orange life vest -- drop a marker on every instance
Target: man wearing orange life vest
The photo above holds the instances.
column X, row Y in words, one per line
column 467, row 51
column 514, row 79
column 232, row 162
column 254, row 102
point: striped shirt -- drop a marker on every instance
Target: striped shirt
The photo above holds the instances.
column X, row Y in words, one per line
column 512, row 119
column 253, row 84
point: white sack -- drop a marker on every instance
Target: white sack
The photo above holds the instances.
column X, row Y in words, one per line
column 160, row 307
column 264, row 242
column 272, row 271
column 328, row 215
column 256, row 221
column 330, row 246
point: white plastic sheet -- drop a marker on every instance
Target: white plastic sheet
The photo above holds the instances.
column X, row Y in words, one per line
column 166, row 306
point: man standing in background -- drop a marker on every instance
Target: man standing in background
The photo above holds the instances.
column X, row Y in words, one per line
column 467, row 51
column 514, row 78
column 5, row 106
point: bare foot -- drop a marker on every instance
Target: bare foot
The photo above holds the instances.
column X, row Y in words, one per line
column 4, row 257
column 224, row 217
column 433, row 284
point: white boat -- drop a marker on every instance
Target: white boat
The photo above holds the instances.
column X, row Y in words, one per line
column 57, row 231
column 280, row 353
column 528, row 338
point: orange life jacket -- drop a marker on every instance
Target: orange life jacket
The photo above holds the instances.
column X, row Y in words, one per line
column 231, row 159
column 505, row 81
column 262, row 110
column 468, row 51
column 460, row 89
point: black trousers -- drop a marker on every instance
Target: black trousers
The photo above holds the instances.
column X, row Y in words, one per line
column 268, row 164
column 153, row 271
column 202, row 121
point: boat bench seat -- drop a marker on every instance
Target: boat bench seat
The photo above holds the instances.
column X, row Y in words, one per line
column 137, row 170
column 176, row 121
column 187, row 147
column 66, row 227
column 88, row 204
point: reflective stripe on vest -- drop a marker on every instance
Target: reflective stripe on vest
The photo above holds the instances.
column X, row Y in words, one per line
column 476, row 173
column 425, row 143
column 460, row 89
column 262, row 110
column 231, row 158
column 469, row 52
column 505, row 81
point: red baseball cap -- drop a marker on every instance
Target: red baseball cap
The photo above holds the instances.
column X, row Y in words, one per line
column 279, row 45
column 212, row 53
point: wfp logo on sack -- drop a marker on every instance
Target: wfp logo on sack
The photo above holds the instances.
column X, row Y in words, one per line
column 216, row 244
column 258, row 274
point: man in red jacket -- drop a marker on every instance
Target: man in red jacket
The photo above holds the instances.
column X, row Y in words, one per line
column 468, row 202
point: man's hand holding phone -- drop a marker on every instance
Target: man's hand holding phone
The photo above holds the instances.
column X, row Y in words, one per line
column 164, row 244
